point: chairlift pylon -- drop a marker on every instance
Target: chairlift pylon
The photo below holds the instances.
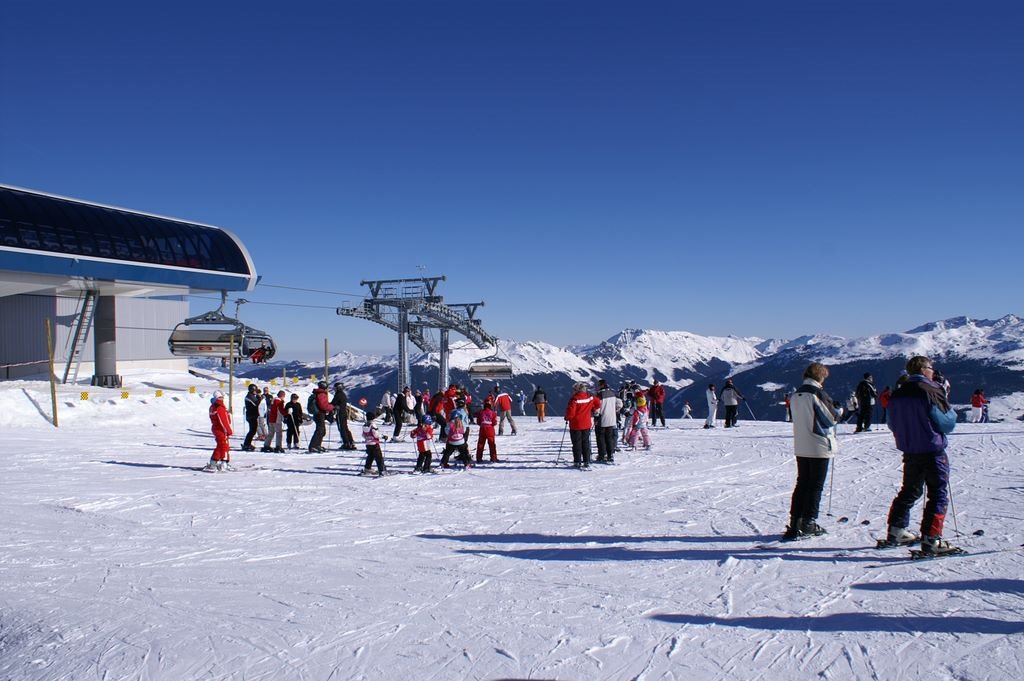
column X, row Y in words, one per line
column 216, row 341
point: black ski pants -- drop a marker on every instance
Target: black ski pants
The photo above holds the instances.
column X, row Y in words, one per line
column 606, row 439
column 864, row 417
column 442, row 425
column 292, row 435
column 580, row 446
column 252, row 421
column 657, row 412
column 341, row 418
column 317, row 441
column 463, row 456
column 374, row 455
column 810, row 481
column 731, row 411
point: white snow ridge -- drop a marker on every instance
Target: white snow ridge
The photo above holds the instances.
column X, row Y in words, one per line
column 120, row 560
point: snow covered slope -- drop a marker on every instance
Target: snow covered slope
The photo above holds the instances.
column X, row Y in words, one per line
column 119, row 560
column 974, row 353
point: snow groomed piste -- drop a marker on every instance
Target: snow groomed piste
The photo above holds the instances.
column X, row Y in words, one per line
column 119, row 560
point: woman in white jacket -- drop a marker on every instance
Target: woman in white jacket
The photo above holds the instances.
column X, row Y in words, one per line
column 712, row 406
column 814, row 443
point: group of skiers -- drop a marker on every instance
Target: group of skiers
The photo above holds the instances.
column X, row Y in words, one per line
column 919, row 416
column 268, row 416
column 918, row 413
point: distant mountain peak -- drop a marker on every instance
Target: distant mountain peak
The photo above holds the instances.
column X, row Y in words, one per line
column 944, row 324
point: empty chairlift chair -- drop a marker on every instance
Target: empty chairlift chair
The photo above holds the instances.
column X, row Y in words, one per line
column 491, row 368
column 212, row 334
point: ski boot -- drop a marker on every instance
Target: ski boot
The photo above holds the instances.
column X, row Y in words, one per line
column 935, row 547
column 898, row 536
column 812, row 529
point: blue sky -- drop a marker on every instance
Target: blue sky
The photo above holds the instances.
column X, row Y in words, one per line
column 747, row 168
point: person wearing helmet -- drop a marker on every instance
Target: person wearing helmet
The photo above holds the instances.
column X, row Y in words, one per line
column 372, row 439
column 252, row 416
column 405, row 404
column 423, row 434
column 292, row 422
column 323, row 407
column 340, row 403
column 638, row 424
column 456, row 440
column 486, row 418
column 220, row 424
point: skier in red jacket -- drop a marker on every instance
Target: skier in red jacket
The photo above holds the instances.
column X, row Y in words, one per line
column 579, row 415
column 220, row 424
column 486, row 418
column 656, row 399
column 503, row 404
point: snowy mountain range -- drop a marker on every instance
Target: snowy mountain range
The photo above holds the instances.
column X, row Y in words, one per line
column 972, row 353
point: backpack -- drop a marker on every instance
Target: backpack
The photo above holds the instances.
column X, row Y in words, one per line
column 311, row 404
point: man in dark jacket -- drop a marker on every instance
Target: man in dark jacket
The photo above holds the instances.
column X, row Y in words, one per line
column 340, row 404
column 323, row 409
column 540, row 403
column 920, row 417
column 252, row 416
column 866, row 395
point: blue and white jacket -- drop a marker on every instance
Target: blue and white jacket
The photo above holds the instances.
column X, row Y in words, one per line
column 919, row 416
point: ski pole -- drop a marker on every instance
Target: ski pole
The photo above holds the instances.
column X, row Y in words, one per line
column 750, row 410
column 564, row 431
column 831, row 479
column 952, row 508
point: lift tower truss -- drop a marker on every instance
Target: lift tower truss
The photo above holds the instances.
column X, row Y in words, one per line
column 409, row 307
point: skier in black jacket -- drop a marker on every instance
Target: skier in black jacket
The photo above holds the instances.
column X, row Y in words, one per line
column 252, row 416
column 340, row 402
column 866, row 395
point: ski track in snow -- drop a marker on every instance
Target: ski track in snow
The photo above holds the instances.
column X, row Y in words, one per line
column 118, row 560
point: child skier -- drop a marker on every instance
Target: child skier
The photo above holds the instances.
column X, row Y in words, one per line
column 372, row 438
column 220, row 424
column 423, row 434
column 456, row 441
column 293, row 420
column 486, row 418
column 638, row 424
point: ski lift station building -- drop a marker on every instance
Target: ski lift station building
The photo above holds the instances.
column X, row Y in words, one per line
column 112, row 283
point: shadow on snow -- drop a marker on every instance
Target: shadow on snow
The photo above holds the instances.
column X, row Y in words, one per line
column 623, row 553
column 851, row 621
column 1010, row 586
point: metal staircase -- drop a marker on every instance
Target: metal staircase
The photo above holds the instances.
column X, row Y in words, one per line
column 83, row 323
